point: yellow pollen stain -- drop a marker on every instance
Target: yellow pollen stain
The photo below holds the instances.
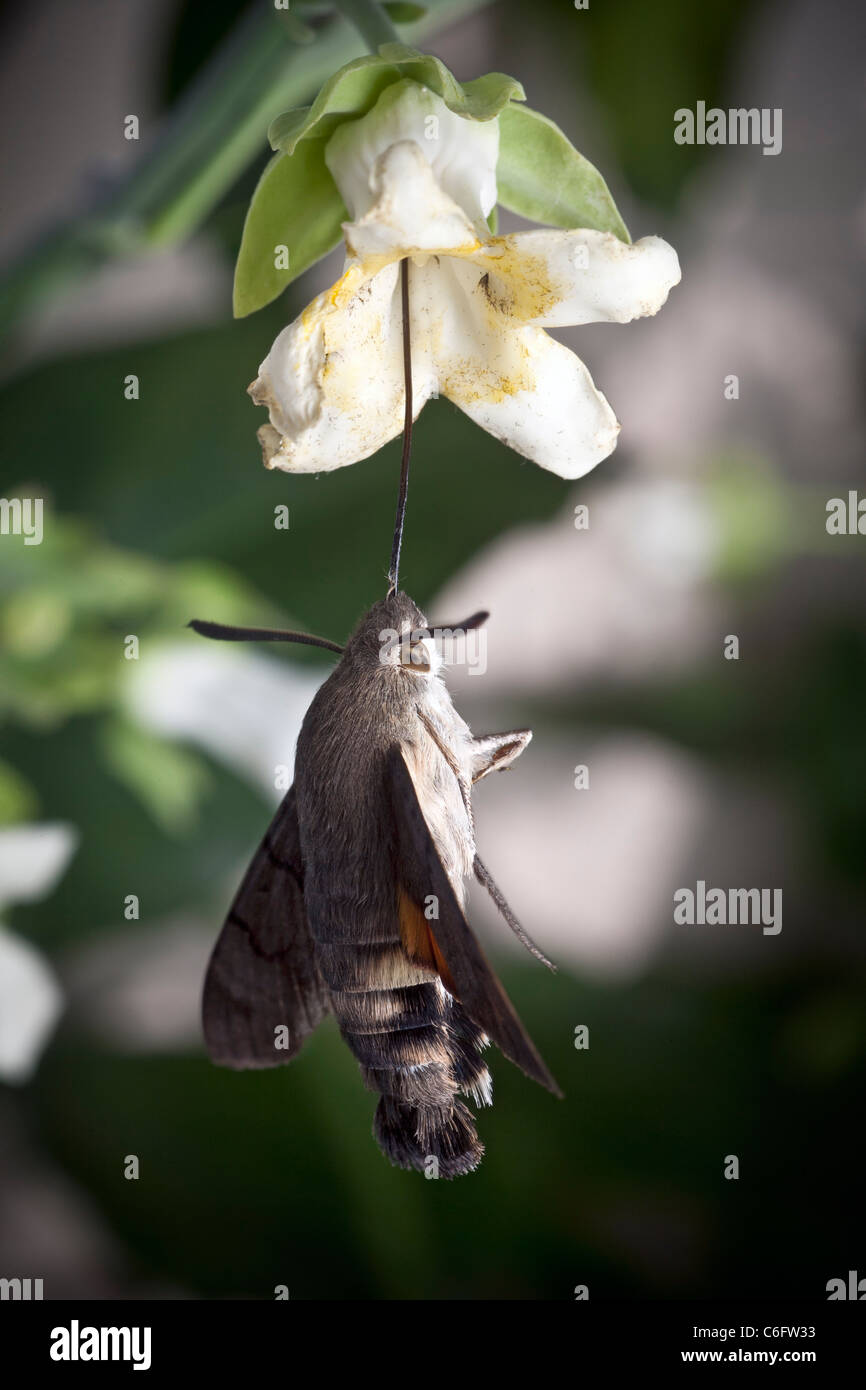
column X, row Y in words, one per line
column 470, row 382
column 519, row 284
column 472, row 379
column 514, row 288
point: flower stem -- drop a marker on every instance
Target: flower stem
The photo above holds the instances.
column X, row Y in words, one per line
column 371, row 21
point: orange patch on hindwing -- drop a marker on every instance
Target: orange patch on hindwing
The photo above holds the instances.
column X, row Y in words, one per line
column 420, row 944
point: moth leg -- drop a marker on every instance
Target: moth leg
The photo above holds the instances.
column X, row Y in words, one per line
column 492, row 752
column 463, row 783
column 484, row 876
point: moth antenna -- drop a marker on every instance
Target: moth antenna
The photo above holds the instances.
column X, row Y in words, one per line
column 477, row 620
column 482, row 873
column 399, row 520
column 219, row 632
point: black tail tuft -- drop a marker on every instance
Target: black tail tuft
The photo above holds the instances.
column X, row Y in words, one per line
column 439, row 1141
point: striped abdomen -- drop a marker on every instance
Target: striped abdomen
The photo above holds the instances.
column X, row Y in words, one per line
column 415, row 1046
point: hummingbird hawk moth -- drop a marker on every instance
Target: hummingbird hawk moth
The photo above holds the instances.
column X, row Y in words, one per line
column 354, row 902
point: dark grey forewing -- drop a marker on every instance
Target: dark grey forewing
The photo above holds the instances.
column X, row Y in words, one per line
column 471, row 975
column 263, row 973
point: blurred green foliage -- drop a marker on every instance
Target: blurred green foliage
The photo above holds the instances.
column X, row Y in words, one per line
column 68, row 608
column 642, row 61
column 72, row 614
column 253, row 1180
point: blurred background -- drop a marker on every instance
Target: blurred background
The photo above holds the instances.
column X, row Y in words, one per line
column 133, row 791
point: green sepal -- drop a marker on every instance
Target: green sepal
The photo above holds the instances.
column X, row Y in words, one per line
column 355, row 89
column 296, row 204
column 542, row 176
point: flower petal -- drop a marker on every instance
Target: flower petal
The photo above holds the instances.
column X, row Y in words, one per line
column 558, row 278
column 461, row 153
column 411, row 213
column 333, row 380
column 513, row 380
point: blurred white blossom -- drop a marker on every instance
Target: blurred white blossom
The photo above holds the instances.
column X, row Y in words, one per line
column 629, row 595
column 32, row 859
column 242, row 708
column 141, row 991
column 590, row 876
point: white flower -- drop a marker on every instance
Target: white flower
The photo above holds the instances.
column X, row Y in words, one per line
column 419, row 182
column 32, row 858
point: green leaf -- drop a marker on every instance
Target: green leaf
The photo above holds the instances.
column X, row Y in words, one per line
column 401, row 12
column 167, row 779
column 543, row 177
column 297, row 205
column 355, row 89
column 18, row 799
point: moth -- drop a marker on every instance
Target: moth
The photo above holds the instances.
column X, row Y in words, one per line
column 354, row 903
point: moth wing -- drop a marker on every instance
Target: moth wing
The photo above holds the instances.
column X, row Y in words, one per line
column 462, row 963
column 262, row 972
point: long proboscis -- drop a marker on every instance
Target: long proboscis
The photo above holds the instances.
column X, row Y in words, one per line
column 220, row 632
column 400, row 518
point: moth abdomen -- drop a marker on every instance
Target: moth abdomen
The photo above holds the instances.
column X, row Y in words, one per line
column 372, row 1010
column 440, row 1140
column 420, row 1087
column 359, row 967
column 417, row 1049
column 471, row 1075
column 406, row 1047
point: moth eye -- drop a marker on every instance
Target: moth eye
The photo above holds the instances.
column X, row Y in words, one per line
column 419, row 657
